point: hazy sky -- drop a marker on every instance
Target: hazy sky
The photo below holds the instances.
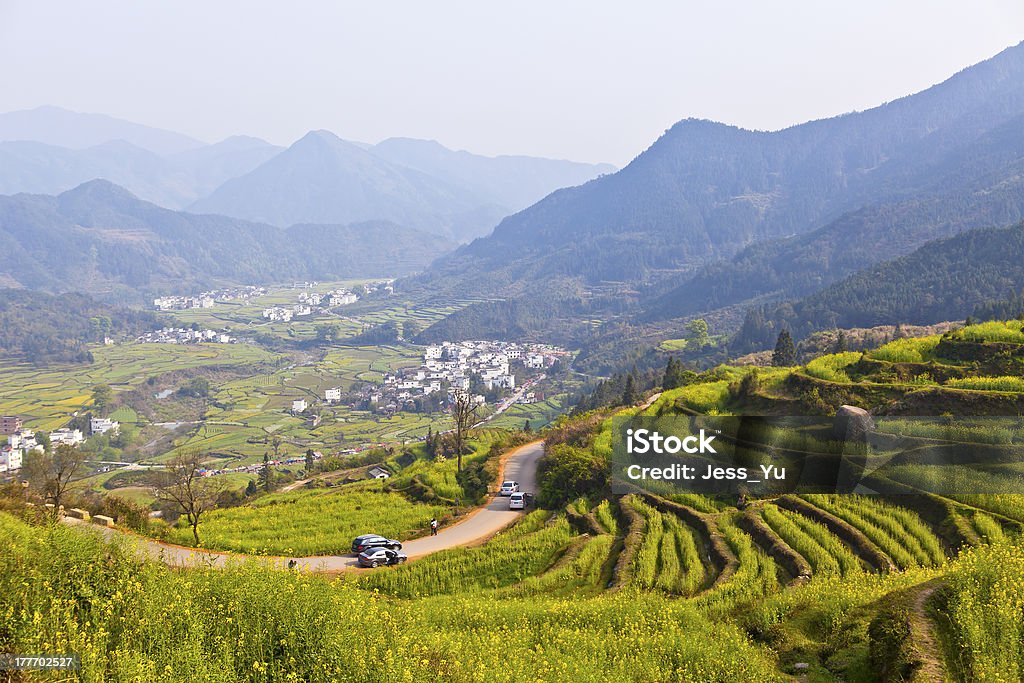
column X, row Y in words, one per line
column 580, row 79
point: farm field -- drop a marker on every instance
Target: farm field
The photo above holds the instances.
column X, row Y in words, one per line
column 47, row 397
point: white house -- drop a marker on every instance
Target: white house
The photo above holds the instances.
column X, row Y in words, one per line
column 332, row 395
column 102, row 425
column 69, row 437
column 299, row 405
column 10, row 458
column 377, row 472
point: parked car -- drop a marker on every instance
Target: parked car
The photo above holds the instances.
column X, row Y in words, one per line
column 375, row 557
column 508, row 488
column 517, row 501
column 368, row 541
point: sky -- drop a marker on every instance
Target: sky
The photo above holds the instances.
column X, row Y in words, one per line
column 589, row 80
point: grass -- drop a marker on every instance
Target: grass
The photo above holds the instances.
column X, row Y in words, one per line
column 668, row 558
column 313, row 522
column 247, row 623
column 1005, row 383
column 899, row 532
column 909, row 350
column 832, row 368
column 825, row 552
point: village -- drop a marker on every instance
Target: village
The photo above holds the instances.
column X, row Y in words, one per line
column 184, row 335
column 22, row 441
column 207, row 299
column 482, row 369
column 309, row 302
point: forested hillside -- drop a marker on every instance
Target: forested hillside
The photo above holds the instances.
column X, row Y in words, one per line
column 943, row 280
column 99, row 238
column 43, row 328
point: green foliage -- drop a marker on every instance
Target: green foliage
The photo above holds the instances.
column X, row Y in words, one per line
column 567, row 472
column 1009, row 331
column 784, row 354
column 1005, row 383
column 825, row 552
column 832, row 368
column 986, row 610
column 313, row 522
column 910, row 350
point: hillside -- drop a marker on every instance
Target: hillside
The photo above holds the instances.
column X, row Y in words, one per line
column 943, row 280
column 42, row 329
column 101, row 239
column 705, row 191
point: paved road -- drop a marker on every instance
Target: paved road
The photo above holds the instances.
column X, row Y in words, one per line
column 519, row 465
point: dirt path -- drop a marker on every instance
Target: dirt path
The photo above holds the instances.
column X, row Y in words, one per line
column 923, row 635
column 487, row 520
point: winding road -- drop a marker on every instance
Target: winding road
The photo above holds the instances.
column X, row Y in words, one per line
column 476, row 527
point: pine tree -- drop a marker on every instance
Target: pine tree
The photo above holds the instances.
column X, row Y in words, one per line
column 265, row 482
column 629, row 395
column 526, row 427
column 841, row 342
column 671, row 378
column 250, row 488
column 309, row 460
column 785, row 350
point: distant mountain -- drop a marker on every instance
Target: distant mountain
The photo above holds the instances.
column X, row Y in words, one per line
column 324, row 179
column 63, row 128
column 172, row 181
column 511, row 181
column 705, row 191
column 101, row 239
column 943, row 280
column 319, row 179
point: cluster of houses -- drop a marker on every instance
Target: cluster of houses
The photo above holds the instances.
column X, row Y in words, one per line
column 207, row 299
column 183, row 335
column 22, row 441
column 458, row 366
column 310, row 302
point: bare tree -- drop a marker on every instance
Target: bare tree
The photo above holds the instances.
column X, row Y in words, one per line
column 187, row 489
column 464, row 415
column 51, row 472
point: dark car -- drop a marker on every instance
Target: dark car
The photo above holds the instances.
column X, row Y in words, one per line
column 367, row 541
column 375, row 557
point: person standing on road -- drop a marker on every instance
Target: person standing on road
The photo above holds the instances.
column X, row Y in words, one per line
column 433, row 527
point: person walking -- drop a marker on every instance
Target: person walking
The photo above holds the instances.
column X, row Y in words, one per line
column 433, row 527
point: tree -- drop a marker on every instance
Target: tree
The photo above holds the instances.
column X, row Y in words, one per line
column 250, row 488
column 629, row 394
column 183, row 485
column 266, row 476
column 464, row 416
column 50, row 472
column 327, row 332
column 785, row 350
column 697, row 333
column 309, row 460
column 102, row 394
column 841, row 344
column 276, row 443
column 526, row 426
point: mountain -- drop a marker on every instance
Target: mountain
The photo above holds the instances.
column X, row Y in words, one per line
column 984, row 190
column 706, row 191
column 74, row 130
column 324, row 179
column 101, row 239
column 173, row 181
column 943, row 280
column 511, row 181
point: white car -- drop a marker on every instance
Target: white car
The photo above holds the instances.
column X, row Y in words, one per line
column 508, row 488
column 517, row 501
